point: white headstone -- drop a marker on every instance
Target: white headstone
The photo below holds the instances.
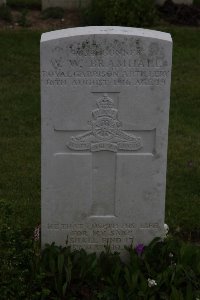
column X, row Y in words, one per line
column 68, row 4
column 105, row 109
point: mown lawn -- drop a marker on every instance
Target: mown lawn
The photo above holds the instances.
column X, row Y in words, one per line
column 20, row 126
column 20, row 130
column 183, row 175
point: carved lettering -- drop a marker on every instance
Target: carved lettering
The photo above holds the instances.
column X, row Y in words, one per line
column 149, row 226
column 113, row 229
column 108, row 63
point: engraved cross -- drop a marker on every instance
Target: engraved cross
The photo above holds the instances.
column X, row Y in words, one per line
column 104, row 140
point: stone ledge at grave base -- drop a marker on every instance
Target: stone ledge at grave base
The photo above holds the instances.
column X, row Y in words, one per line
column 93, row 237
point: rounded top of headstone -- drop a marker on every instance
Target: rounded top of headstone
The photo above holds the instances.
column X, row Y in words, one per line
column 79, row 31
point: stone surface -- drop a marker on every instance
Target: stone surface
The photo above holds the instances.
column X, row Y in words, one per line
column 68, row 4
column 105, row 108
column 2, row 2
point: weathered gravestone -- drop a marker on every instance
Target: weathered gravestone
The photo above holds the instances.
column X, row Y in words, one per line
column 105, row 108
column 76, row 4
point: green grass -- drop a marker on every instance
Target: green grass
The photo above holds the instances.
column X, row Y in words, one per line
column 20, row 129
column 183, row 177
column 20, row 125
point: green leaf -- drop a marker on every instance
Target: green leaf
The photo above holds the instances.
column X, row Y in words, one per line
column 134, row 279
column 120, row 293
column 189, row 292
column 52, row 265
column 152, row 298
column 175, row 295
column 68, row 272
column 127, row 277
column 64, row 288
column 46, row 292
column 143, row 282
column 60, row 263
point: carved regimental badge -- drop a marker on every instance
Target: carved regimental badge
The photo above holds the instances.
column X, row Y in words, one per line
column 106, row 133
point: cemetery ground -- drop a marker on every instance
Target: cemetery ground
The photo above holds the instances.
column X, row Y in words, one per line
column 22, row 276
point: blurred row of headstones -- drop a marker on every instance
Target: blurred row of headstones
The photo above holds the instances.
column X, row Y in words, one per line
column 74, row 4
column 2, row 2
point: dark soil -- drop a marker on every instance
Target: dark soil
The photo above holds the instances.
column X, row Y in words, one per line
column 169, row 12
column 33, row 19
column 180, row 14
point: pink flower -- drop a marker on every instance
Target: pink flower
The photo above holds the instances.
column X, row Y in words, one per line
column 139, row 249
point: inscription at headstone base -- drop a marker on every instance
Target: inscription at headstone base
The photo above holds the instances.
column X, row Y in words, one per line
column 105, row 109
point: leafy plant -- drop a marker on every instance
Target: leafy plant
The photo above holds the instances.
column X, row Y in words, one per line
column 16, row 255
column 23, row 19
column 165, row 269
column 121, row 12
column 53, row 12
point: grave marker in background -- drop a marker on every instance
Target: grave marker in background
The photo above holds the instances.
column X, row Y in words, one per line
column 76, row 4
column 2, row 2
column 105, row 109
